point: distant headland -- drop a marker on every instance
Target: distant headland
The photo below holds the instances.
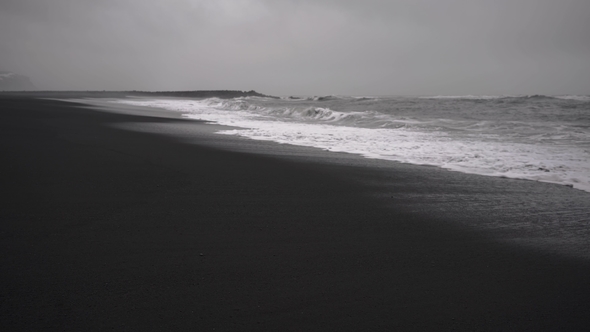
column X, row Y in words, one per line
column 224, row 94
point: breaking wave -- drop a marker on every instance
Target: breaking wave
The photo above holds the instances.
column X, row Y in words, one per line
column 505, row 97
column 536, row 137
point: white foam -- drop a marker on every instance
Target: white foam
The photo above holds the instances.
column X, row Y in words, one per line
column 467, row 97
column 523, row 161
column 414, row 143
column 574, row 97
column 485, row 97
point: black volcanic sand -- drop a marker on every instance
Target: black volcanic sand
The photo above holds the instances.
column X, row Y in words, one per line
column 103, row 228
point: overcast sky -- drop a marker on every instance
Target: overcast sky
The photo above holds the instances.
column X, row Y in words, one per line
column 304, row 47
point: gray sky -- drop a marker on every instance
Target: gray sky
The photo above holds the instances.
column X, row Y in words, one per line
column 311, row 47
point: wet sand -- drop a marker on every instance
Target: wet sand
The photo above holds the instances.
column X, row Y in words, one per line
column 105, row 228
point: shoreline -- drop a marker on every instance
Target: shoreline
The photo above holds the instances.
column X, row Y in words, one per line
column 520, row 201
column 223, row 94
column 112, row 228
column 510, row 159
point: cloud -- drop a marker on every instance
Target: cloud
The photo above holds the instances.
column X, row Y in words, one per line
column 301, row 47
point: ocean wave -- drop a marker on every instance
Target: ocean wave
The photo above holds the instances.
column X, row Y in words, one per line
column 466, row 97
column 364, row 98
column 307, row 113
column 529, row 97
column 510, row 97
column 236, row 104
column 326, row 98
column 543, row 141
column 329, row 98
column 559, row 165
column 574, row 97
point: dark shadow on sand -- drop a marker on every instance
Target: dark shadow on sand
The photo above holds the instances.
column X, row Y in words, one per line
column 103, row 228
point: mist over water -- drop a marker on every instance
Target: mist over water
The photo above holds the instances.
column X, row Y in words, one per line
column 542, row 138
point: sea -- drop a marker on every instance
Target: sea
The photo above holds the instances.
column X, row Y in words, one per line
column 537, row 137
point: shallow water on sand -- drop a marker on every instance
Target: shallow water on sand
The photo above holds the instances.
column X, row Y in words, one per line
column 546, row 217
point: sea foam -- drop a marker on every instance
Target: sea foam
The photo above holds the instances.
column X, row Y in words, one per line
column 539, row 138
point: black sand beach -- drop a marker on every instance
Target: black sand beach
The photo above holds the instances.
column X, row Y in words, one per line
column 104, row 228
